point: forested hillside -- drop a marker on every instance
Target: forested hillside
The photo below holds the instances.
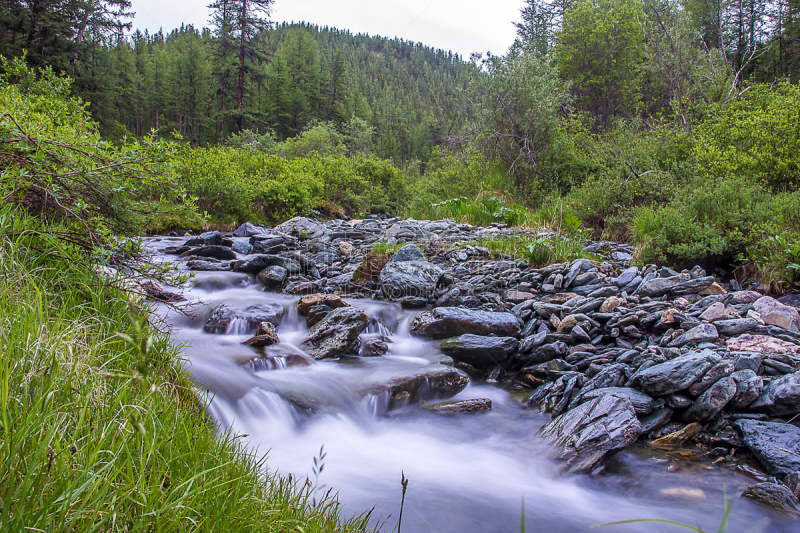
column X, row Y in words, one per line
column 406, row 95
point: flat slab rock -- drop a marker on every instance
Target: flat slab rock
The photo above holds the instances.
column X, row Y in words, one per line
column 335, row 333
column 477, row 405
column 479, row 351
column 592, row 431
column 444, row 322
column 677, row 374
column 776, row 445
column 435, row 382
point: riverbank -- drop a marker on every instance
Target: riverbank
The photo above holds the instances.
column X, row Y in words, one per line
column 98, row 435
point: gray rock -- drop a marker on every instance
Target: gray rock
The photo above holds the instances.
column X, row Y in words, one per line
column 677, row 374
column 248, row 229
column 775, row 445
column 544, row 353
column 781, row 397
column 659, row 286
column 477, row 405
column 301, row 227
column 626, row 277
column 431, row 383
column 776, row 496
column 770, row 308
column 408, row 274
column 215, row 251
column 332, row 336
column 641, row 402
column 223, row 318
column 207, row 266
column 656, row 419
column 696, row 335
column 479, row 351
column 592, row 431
column 692, row 286
column 735, row 326
column 273, row 276
column 260, row 262
column 712, row 401
column 242, row 247
column 444, row 322
column 747, row 391
column 211, row 238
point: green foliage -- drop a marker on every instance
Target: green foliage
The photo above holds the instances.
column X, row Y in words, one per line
column 99, row 427
column 756, row 136
column 481, row 211
column 599, row 49
column 55, row 164
column 776, row 261
column 712, row 220
column 518, row 100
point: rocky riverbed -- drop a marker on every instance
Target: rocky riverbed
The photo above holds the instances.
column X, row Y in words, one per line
column 618, row 355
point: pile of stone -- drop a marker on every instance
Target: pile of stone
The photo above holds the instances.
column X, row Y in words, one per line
column 615, row 352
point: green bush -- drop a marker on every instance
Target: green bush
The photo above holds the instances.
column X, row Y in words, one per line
column 713, row 221
column 756, row 136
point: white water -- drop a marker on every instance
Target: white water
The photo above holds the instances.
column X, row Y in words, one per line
column 467, row 474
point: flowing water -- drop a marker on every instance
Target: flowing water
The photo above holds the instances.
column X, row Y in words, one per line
column 470, row 473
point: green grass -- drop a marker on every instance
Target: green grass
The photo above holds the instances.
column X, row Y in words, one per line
column 102, row 432
column 539, row 251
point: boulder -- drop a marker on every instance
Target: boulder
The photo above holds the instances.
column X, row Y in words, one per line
column 217, row 252
column 260, row 262
column 781, row 397
column 592, row 431
column 479, row 351
column 273, row 276
column 444, row 322
column 408, row 274
column 677, row 374
column 335, row 333
column 775, row 445
column 302, row 227
column 211, row 238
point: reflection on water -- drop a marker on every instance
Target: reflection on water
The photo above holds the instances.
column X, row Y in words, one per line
column 467, row 474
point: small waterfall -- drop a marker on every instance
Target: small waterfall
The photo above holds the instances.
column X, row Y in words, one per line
column 266, row 363
column 292, row 321
column 239, row 326
column 377, row 404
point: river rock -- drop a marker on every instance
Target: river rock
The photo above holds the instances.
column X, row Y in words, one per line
column 444, row 322
column 335, row 333
column 775, row 445
column 592, row 431
column 273, row 276
column 641, row 402
column 712, row 401
column 781, row 397
column 776, row 496
column 432, row 383
column 248, row 229
column 266, row 335
column 302, row 227
column 677, row 374
column 477, row 405
column 479, row 351
column 211, row 238
column 696, row 335
column 260, row 262
column 216, row 252
column 777, row 314
column 408, row 273
column 222, row 317
column 735, row 326
column 333, row 301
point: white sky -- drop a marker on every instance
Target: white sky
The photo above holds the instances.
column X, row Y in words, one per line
column 464, row 26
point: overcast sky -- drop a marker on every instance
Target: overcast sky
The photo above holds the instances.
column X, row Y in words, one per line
column 464, row 26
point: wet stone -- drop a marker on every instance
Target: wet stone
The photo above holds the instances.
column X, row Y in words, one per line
column 775, row 445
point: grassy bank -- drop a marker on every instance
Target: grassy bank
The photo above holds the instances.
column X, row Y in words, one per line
column 96, row 434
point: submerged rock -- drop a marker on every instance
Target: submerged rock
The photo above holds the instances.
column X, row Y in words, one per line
column 775, row 445
column 444, row 322
column 335, row 333
column 592, row 431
